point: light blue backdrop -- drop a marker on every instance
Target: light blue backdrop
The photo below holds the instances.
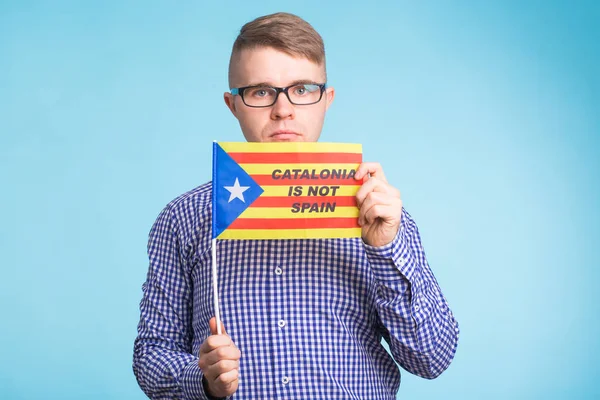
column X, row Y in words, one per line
column 486, row 115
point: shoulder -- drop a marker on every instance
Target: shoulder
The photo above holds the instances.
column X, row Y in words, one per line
column 189, row 216
column 190, row 203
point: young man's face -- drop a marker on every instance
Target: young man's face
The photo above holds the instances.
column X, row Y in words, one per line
column 283, row 121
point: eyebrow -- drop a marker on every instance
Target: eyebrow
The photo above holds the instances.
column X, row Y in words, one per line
column 296, row 82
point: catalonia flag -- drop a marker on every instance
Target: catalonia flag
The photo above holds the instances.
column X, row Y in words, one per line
column 285, row 190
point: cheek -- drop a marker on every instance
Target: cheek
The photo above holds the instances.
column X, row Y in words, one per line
column 316, row 117
column 253, row 120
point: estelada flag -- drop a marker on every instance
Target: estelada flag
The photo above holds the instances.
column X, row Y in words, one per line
column 285, row 190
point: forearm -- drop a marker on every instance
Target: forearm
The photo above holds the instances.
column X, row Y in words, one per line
column 422, row 333
column 167, row 374
column 416, row 319
column 163, row 362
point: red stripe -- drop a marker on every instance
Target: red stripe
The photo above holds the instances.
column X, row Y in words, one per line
column 292, row 158
column 287, row 201
column 293, row 223
column 269, row 181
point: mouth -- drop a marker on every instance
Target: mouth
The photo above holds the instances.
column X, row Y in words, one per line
column 285, row 135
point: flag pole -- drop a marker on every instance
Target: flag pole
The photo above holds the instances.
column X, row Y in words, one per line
column 214, row 240
column 215, row 284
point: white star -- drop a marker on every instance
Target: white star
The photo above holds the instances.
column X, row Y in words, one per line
column 236, row 191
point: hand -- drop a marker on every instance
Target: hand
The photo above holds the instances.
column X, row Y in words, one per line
column 380, row 206
column 220, row 362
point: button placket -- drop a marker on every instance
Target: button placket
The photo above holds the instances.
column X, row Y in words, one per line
column 278, row 310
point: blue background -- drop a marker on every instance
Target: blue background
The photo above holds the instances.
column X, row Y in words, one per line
column 485, row 114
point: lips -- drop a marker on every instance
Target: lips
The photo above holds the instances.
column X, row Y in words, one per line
column 285, row 135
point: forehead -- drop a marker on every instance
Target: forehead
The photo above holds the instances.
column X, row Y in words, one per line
column 267, row 65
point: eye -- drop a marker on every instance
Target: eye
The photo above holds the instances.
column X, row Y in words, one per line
column 260, row 92
column 300, row 90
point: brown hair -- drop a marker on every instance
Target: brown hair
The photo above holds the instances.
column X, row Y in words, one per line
column 285, row 32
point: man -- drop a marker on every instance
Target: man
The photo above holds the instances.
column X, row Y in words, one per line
column 304, row 318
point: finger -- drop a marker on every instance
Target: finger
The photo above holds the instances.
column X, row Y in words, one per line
column 220, row 389
column 215, row 341
column 213, row 371
column 375, row 185
column 370, row 170
column 383, row 212
column 225, row 384
column 228, row 353
column 213, row 326
column 373, row 199
column 228, row 378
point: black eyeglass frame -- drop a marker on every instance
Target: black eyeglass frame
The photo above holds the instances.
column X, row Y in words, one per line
column 240, row 92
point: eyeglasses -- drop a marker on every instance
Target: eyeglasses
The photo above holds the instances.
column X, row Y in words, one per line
column 300, row 94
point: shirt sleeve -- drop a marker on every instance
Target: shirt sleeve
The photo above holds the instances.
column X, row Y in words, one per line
column 162, row 360
column 416, row 320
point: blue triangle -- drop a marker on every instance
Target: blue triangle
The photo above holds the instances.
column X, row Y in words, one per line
column 227, row 209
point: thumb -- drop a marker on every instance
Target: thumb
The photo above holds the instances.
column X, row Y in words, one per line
column 213, row 326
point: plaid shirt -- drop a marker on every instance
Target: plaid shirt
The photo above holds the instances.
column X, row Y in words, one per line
column 307, row 315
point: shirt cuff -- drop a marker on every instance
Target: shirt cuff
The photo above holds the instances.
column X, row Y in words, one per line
column 394, row 260
column 191, row 382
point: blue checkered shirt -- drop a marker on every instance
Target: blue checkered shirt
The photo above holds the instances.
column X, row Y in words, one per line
column 307, row 315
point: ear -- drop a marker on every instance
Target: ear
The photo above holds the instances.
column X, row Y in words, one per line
column 329, row 95
column 230, row 102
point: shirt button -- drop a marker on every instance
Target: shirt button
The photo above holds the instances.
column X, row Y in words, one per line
column 281, row 324
column 278, row 271
column 417, row 308
column 285, row 380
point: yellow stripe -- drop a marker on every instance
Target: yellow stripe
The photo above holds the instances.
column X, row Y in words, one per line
column 289, row 147
column 281, row 212
column 290, row 233
column 342, row 190
column 267, row 169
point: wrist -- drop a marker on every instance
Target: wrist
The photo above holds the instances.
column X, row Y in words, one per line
column 207, row 390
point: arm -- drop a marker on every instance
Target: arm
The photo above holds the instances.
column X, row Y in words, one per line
column 416, row 320
column 415, row 317
column 162, row 361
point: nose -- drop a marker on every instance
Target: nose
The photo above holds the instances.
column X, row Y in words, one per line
column 282, row 109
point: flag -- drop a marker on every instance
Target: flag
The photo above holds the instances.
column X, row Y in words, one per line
column 285, row 190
